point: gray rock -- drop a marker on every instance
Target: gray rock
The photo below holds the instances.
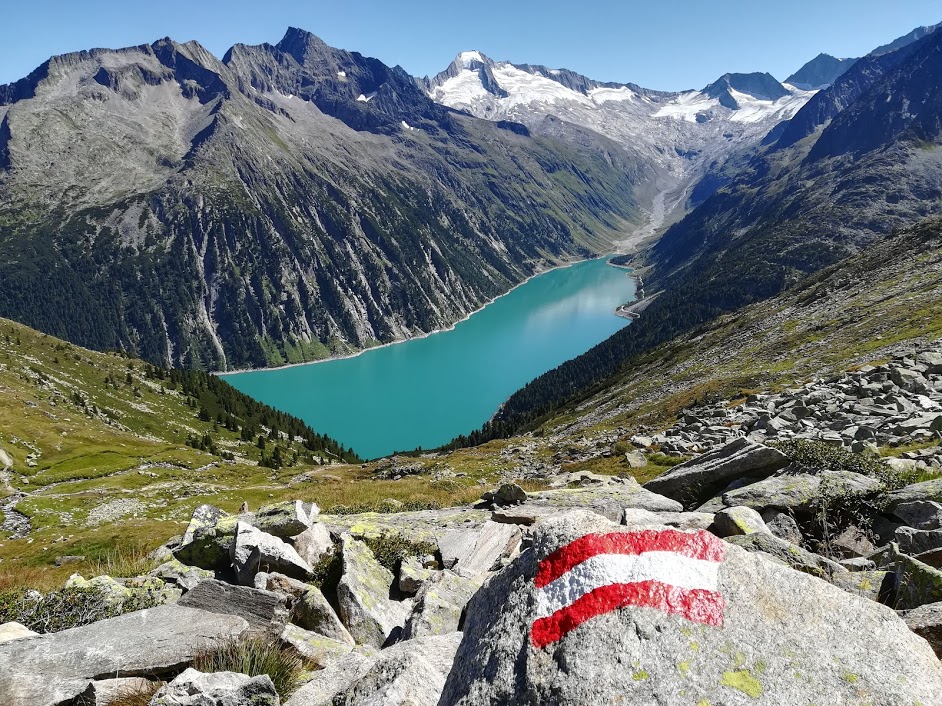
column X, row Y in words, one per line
column 879, row 586
column 782, row 525
column 330, row 682
column 785, row 639
column 695, row 481
column 410, row 673
column 412, row 576
column 926, row 621
column 312, row 612
column 858, row 563
column 917, row 583
column 927, row 490
column 313, row 544
column 14, row 631
column 439, row 605
column 495, row 541
column 366, row 609
column 799, row 492
column 315, row 648
column 636, row 459
column 913, row 541
column 208, row 544
column 176, row 572
column 204, row 517
column 732, row 521
column 932, row 558
column 507, row 494
column 254, row 551
column 193, row 688
column 105, row 691
column 609, row 501
column 53, row 668
column 851, row 542
column 286, row 519
column 789, row 554
column 921, row 514
column 265, row 611
column 526, row 514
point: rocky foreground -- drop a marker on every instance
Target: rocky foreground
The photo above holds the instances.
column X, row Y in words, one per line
column 787, row 564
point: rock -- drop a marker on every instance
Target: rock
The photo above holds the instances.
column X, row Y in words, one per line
column 207, row 544
column 279, row 583
column 609, row 501
column 366, row 609
column 921, row 514
column 330, row 682
column 105, row 691
column 287, row 519
column 507, row 494
column 932, row 558
column 786, row 638
column 926, row 621
column 410, row 673
column 412, row 576
column 53, row 668
column 265, row 611
column 636, row 459
column 913, row 541
column 193, row 688
column 739, row 520
column 312, row 612
column 14, row 631
column 695, row 481
column 474, row 552
column 851, row 542
column 439, row 605
column 69, row 559
column 681, row 520
column 927, row 490
column 115, row 593
column 186, row 577
column 789, row 554
column 254, row 551
column 917, row 583
column 314, row 647
column 642, row 442
column 858, row 563
column 525, row 514
column 799, row 492
column 204, row 517
column 782, row 525
column 879, row 586
column 313, row 544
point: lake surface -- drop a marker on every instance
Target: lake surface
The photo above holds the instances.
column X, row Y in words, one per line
column 426, row 391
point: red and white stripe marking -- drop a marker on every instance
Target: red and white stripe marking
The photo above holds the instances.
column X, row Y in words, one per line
column 676, row 572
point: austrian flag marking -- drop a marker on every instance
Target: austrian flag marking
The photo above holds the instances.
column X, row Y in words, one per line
column 668, row 570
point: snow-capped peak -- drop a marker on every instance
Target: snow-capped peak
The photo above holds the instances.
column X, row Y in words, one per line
column 465, row 58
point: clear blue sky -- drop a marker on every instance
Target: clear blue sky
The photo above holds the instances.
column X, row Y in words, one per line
column 662, row 44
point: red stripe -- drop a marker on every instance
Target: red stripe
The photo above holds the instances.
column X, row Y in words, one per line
column 696, row 605
column 696, row 545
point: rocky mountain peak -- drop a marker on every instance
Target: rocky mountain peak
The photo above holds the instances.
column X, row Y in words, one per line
column 820, row 72
column 763, row 86
column 303, row 45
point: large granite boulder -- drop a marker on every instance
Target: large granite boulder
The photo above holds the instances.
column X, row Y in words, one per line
column 930, row 490
column 265, row 611
column 193, row 688
column 332, row 681
column 594, row 613
column 926, row 621
column 313, row 544
column 610, row 500
column 695, row 481
column 285, row 519
column 788, row 554
column 253, row 550
column 800, row 492
column 311, row 611
column 54, row 668
column 738, row 520
column 439, row 604
column 317, row 649
column 474, row 552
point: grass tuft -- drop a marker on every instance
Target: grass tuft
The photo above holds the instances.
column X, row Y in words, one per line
column 254, row 657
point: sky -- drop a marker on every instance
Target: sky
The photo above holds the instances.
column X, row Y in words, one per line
column 660, row 44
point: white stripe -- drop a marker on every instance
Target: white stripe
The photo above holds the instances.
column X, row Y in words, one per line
column 604, row 569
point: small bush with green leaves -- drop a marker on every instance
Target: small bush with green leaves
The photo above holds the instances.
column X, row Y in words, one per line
column 66, row 608
column 255, row 657
column 815, row 456
column 391, row 548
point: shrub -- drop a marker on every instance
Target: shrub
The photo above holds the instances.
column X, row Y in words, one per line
column 67, row 608
column 391, row 548
column 254, row 657
column 816, row 456
column 327, row 571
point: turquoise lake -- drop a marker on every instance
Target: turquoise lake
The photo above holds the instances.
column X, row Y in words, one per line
column 426, row 391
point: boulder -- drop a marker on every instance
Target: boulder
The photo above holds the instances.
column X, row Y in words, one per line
column 609, row 501
column 208, row 544
column 879, row 586
column 851, row 542
column 176, row 572
column 475, row 552
column 681, row 520
column 311, row 611
column 695, row 481
column 314, row 647
column 14, row 631
column 926, row 621
column 363, row 594
column 254, row 551
column 799, row 492
column 313, row 544
column 279, row 583
column 203, row 518
column 439, row 605
column 920, row 514
column 636, row 459
column 53, row 668
column 917, row 583
column 526, row 514
column 286, row 519
column 193, row 688
column 754, row 633
column 330, row 682
column 265, row 611
column 507, row 494
column 409, row 673
column 739, row 520
column 787, row 553
column 930, row 490
column 782, row 525
column 412, row 575
column 106, row 691
column 914, row 541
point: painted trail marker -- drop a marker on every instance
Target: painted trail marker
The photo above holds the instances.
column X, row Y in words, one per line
column 676, row 572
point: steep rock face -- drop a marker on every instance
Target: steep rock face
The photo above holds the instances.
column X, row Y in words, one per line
column 820, row 72
column 285, row 203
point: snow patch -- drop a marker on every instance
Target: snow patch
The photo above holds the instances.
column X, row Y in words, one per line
column 466, row 57
column 341, row 74
column 366, row 98
column 407, row 126
column 604, row 95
